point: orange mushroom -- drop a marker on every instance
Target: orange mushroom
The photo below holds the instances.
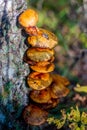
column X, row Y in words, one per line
column 39, row 54
column 51, row 104
column 39, row 81
column 28, row 18
column 31, row 62
column 58, row 89
column 43, row 39
column 42, row 96
column 43, row 68
column 34, row 115
column 60, row 79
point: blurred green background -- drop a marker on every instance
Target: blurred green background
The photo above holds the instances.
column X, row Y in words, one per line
column 64, row 18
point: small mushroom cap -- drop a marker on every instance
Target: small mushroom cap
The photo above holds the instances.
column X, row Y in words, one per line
column 43, row 39
column 28, row 18
column 34, row 115
column 42, row 96
column 39, row 81
column 39, row 54
column 58, row 88
column 43, row 69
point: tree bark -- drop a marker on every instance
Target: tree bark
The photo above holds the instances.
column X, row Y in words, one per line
column 13, row 72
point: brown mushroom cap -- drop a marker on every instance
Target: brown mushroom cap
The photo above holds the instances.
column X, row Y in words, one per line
column 39, row 54
column 41, row 63
column 43, row 39
column 61, row 79
column 43, row 69
column 57, row 88
column 51, row 104
column 39, row 81
column 42, row 96
column 28, row 18
column 34, row 115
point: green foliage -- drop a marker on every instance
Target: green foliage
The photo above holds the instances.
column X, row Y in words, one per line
column 74, row 119
column 79, row 88
column 83, row 38
column 50, row 19
column 58, row 122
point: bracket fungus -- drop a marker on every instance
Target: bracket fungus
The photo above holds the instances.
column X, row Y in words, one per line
column 43, row 39
column 39, row 81
column 28, row 18
column 42, row 96
column 39, row 54
column 43, row 68
column 47, row 89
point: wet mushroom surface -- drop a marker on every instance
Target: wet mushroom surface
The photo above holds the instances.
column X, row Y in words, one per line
column 28, row 18
column 39, row 54
column 39, row 81
column 42, row 96
column 43, row 69
column 40, row 63
column 43, row 39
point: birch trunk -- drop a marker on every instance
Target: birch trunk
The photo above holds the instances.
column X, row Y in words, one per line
column 13, row 72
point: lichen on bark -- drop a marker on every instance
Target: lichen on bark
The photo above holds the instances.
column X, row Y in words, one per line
column 13, row 71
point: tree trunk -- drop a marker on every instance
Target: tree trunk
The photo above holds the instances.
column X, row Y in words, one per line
column 13, row 72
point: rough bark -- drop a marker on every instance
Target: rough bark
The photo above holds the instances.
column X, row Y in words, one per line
column 13, row 72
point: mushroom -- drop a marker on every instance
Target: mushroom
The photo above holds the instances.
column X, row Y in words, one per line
column 51, row 104
column 43, row 39
column 28, row 18
column 39, row 81
column 39, row 54
column 58, row 89
column 34, row 115
column 31, row 62
column 61, row 79
column 42, row 96
column 43, row 68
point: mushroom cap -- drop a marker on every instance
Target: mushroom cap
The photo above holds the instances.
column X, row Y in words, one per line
column 43, row 69
column 51, row 104
column 34, row 115
column 39, row 81
column 39, row 54
column 41, row 63
column 42, row 96
column 43, row 39
column 28, row 18
column 61, row 79
column 58, row 88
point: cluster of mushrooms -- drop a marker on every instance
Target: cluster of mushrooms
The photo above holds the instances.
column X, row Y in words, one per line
column 46, row 87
